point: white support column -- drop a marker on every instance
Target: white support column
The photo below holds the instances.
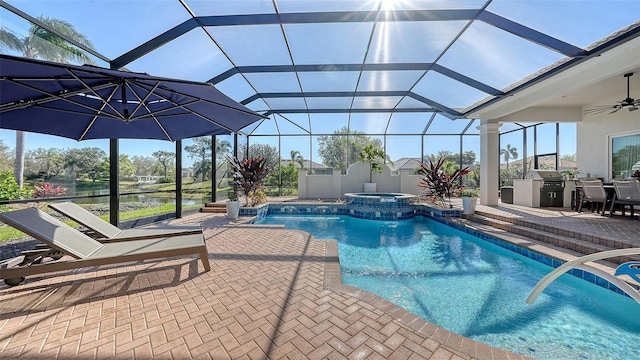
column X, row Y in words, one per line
column 489, row 162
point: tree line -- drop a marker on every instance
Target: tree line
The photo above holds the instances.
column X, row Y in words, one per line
column 341, row 149
column 88, row 163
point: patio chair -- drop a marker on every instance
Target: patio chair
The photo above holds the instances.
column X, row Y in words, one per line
column 593, row 192
column 627, row 193
column 85, row 250
column 106, row 230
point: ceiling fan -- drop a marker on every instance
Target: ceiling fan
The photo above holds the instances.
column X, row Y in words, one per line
column 627, row 103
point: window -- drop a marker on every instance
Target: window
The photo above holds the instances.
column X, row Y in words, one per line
column 625, row 155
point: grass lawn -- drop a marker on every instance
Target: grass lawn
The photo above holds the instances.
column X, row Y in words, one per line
column 191, row 191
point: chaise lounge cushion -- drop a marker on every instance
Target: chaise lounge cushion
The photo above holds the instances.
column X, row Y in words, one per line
column 107, row 230
column 89, row 252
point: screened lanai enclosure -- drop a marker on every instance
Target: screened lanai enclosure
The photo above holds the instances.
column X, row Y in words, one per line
column 499, row 86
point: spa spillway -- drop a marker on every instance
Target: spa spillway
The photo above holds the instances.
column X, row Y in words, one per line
column 380, row 206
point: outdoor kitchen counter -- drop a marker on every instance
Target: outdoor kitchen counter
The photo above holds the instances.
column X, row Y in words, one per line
column 527, row 192
column 541, row 188
column 569, row 193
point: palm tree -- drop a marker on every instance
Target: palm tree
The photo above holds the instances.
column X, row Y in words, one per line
column 223, row 148
column 40, row 43
column 296, row 157
column 509, row 153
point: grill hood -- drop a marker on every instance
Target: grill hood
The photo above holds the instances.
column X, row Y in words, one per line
column 549, row 175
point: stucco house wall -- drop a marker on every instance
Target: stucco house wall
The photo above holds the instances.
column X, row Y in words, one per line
column 594, row 140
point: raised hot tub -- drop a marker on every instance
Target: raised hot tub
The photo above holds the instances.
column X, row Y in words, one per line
column 380, row 206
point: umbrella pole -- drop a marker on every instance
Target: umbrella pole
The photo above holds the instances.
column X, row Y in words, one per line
column 214, row 175
column 178, row 179
column 114, row 189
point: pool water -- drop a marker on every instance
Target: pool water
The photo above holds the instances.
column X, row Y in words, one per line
column 478, row 289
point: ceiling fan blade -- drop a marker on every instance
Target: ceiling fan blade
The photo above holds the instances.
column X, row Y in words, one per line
column 605, row 106
column 629, row 103
column 596, row 111
column 599, row 108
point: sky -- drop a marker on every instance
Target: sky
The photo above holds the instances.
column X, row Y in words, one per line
column 131, row 23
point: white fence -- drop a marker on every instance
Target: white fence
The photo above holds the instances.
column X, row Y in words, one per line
column 335, row 185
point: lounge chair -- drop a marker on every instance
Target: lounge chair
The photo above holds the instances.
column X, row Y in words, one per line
column 87, row 251
column 104, row 229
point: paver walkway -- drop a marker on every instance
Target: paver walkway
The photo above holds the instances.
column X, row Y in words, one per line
column 271, row 293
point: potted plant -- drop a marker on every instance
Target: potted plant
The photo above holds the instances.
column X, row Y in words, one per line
column 570, row 174
column 372, row 156
column 248, row 175
column 233, row 205
column 439, row 181
column 469, row 200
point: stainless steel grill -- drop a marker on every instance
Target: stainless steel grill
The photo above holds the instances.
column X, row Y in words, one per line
column 552, row 189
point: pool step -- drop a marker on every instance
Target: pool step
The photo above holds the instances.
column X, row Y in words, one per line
column 214, row 207
column 559, row 240
column 553, row 251
column 610, row 242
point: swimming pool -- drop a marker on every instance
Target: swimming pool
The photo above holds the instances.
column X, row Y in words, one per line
column 477, row 289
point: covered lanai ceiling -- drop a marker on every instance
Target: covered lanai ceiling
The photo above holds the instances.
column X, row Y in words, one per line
column 316, row 66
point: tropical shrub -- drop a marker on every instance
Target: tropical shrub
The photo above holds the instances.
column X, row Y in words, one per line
column 373, row 156
column 470, row 192
column 258, row 197
column 438, row 183
column 46, row 190
column 284, row 182
column 9, row 189
column 232, row 195
column 248, row 175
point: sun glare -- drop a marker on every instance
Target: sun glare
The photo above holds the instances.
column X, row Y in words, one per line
column 392, row 4
column 388, row 4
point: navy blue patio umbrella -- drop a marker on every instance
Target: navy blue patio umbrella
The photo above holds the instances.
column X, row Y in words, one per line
column 84, row 102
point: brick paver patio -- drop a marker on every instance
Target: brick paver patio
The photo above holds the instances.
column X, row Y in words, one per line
column 271, row 293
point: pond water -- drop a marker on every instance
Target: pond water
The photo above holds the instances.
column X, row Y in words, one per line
column 147, row 198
